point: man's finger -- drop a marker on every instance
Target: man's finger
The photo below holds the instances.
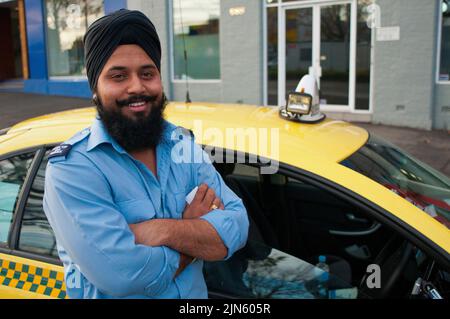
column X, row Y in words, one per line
column 200, row 195
column 209, row 198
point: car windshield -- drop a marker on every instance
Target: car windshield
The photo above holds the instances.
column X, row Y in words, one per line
column 411, row 179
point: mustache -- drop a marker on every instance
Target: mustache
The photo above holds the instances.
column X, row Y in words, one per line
column 136, row 99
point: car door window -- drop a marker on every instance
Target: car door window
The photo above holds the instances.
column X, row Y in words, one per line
column 13, row 171
column 36, row 235
column 294, row 224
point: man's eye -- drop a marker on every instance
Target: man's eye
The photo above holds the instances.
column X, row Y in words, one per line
column 147, row 75
column 118, row 77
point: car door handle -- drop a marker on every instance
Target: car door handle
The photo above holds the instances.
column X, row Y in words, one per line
column 375, row 226
column 353, row 218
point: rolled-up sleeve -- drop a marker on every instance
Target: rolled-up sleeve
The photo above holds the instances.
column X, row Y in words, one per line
column 231, row 223
column 79, row 206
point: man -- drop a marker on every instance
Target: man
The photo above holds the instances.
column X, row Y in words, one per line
column 115, row 194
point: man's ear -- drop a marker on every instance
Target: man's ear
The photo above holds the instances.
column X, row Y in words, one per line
column 95, row 99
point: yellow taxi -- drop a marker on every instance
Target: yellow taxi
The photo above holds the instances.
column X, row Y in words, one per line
column 334, row 211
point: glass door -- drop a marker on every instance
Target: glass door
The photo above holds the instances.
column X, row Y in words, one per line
column 319, row 40
column 335, row 54
column 299, row 46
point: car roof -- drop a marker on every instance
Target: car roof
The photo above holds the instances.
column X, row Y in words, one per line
column 330, row 139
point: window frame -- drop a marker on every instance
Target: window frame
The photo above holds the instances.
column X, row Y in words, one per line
column 172, row 54
column 23, row 189
column 439, row 46
column 12, row 247
column 20, row 224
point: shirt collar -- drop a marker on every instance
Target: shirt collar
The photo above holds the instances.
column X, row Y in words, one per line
column 100, row 135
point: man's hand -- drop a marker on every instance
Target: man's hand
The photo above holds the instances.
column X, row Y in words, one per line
column 205, row 200
column 185, row 261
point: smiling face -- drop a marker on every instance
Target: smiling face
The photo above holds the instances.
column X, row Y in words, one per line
column 130, row 82
column 131, row 99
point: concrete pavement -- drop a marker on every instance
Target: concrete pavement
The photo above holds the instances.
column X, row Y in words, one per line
column 16, row 107
column 431, row 147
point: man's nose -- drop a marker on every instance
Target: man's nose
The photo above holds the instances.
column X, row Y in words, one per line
column 136, row 85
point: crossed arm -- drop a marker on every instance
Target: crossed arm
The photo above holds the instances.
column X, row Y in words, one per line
column 191, row 236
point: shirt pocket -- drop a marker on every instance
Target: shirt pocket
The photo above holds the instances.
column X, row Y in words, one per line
column 137, row 210
column 175, row 204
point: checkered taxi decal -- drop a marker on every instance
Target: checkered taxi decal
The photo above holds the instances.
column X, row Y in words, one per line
column 31, row 278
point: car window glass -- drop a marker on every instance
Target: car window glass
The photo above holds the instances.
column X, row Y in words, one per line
column 36, row 235
column 404, row 175
column 246, row 170
column 13, row 171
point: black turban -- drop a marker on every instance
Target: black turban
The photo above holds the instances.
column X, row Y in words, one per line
column 118, row 28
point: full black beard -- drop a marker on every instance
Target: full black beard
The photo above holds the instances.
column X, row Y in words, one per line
column 134, row 134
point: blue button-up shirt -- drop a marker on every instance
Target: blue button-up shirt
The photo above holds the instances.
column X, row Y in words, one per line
column 96, row 189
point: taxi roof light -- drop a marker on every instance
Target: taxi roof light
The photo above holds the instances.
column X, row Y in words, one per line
column 303, row 105
column 299, row 103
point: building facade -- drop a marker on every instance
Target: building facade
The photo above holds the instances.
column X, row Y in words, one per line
column 380, row 61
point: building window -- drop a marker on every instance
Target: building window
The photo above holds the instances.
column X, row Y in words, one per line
column 67, row 22
column 196, row 29
column 444, row 68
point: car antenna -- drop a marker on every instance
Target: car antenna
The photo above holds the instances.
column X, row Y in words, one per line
column 188, row 98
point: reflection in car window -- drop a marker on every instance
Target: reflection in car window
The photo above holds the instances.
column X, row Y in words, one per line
column 259, row 271
column 12, row 176
column 415, row 181
column 36, row 235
